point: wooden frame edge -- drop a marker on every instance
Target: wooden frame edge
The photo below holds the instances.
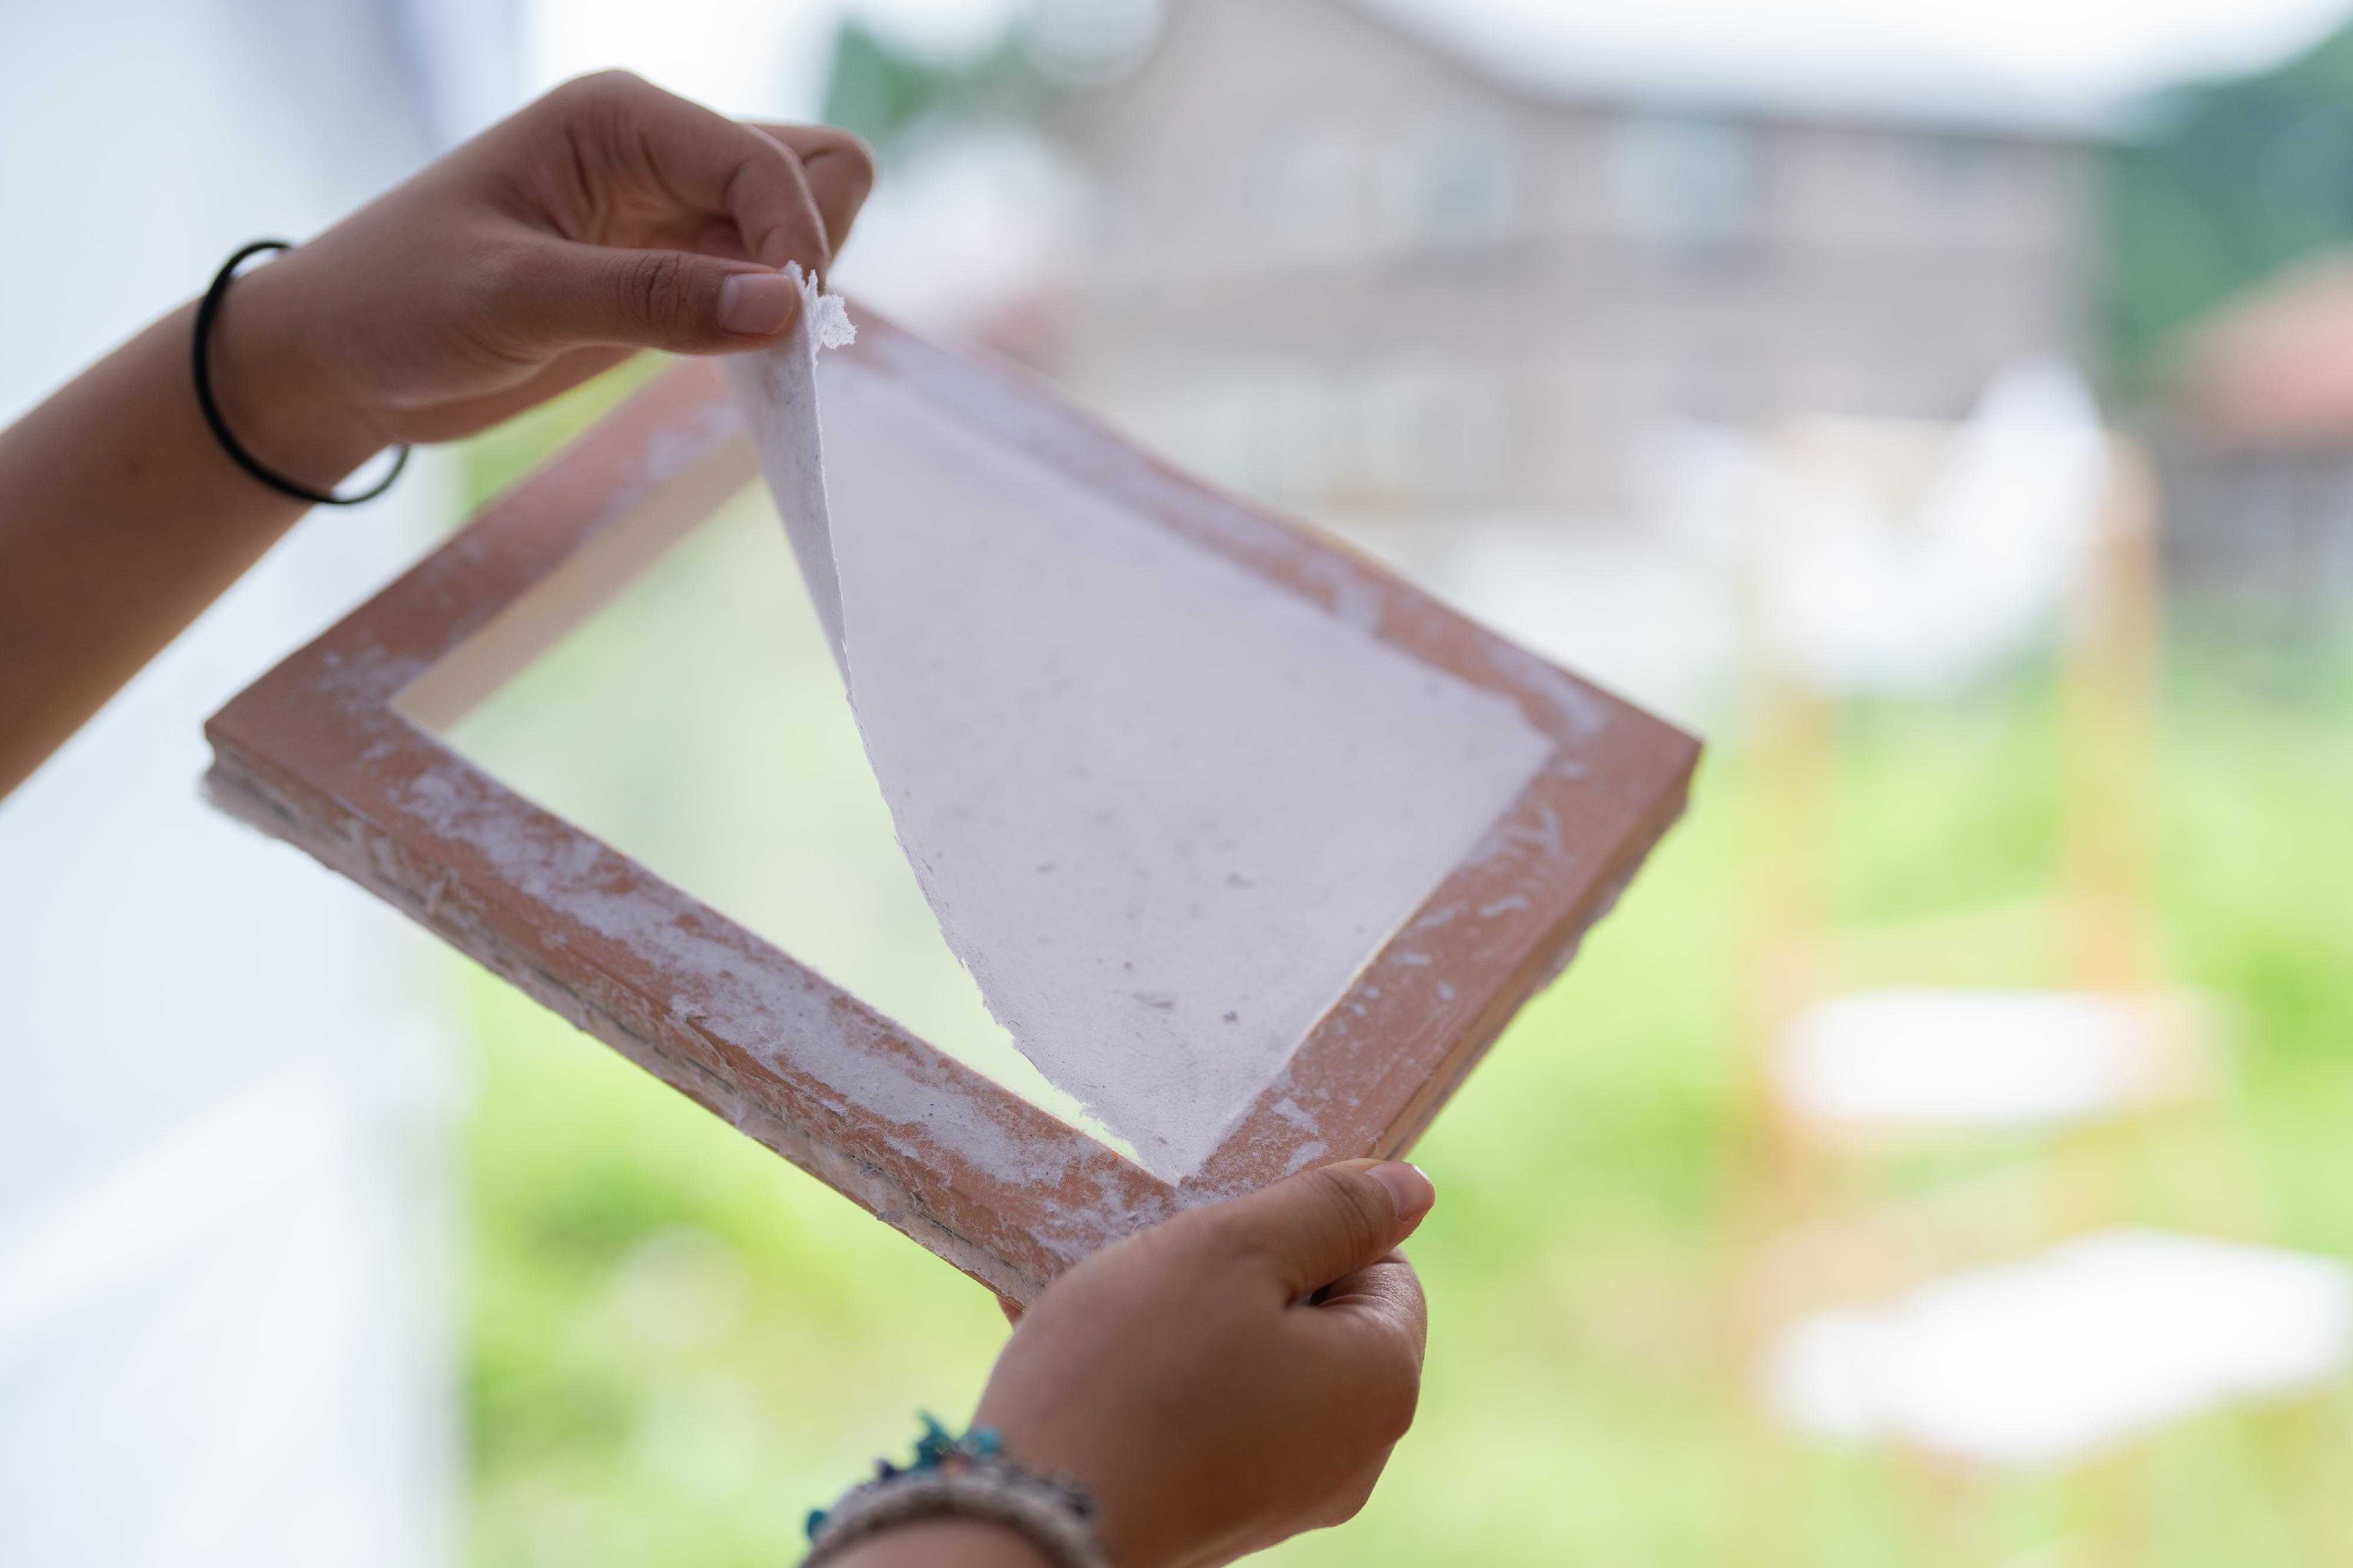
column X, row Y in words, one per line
column 334, row 751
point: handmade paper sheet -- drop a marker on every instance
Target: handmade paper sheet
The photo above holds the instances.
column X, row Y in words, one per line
column 1164, row 809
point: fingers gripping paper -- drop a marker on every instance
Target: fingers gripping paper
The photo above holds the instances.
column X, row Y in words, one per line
column 1164, row 809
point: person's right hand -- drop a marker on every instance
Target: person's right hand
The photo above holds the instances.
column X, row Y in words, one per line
column 1232, row 1377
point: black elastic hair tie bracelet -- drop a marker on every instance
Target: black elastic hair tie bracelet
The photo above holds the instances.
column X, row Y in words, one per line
column 204, row 368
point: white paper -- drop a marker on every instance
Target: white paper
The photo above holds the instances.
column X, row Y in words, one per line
column 1164, row 809
column 778, row 391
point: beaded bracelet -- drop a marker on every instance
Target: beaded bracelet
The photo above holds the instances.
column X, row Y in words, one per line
column 962, row 1478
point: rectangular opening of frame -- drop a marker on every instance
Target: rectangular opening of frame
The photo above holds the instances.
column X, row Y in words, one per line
column 1192, row 799
column 695, row 722
column 1351, row 831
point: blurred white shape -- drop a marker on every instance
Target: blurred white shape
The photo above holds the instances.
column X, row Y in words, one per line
column 166, row 1199
column 761, row 58
column 970, row 231
column 1634, row 610
column 731, row 55
column 1925, row 1055
column 1087, row 42
column 254, row 1280
column 1851, row 57
column 1998, row 61
column 467, row 55
column 2070, row 1350
column 221, row 1328
column 1694, row 481
column 1856, row 598
column 948, row 28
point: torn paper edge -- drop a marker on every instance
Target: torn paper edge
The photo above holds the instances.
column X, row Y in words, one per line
column 776, row 389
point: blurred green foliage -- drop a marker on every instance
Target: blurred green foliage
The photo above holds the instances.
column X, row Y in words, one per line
column 883, row 90
column 2220, row 184
column 677, row 1343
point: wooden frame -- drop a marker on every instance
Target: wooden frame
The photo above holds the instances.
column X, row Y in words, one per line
column 336, row 751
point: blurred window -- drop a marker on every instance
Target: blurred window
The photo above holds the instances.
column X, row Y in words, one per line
column 1952, row 175
column 1452, row 181
column 1424, row 434
column 1308, row 182
column 1260, row 426
column 1685, row 183
column 1395, row 437
column 1287, row 449
column 1089, row 42
column 1715, row 384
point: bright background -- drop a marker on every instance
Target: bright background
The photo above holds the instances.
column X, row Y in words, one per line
column 327, row 1249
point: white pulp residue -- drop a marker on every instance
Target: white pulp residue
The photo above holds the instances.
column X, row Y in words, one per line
column 1164, row 809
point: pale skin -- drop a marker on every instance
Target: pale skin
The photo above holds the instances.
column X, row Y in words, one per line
column 1220, row 1382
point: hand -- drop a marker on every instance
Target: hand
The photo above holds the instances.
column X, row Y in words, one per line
column 1232, row 1377
column 606, row 218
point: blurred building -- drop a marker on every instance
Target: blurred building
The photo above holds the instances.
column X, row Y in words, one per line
column 1379, row 265
column 2260, row 466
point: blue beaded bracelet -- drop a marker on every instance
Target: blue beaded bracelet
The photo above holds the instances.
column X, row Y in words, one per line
column 934, row 1448
column 968, row 1478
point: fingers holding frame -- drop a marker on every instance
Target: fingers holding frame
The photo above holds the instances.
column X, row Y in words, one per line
column 1320, row 1225
column 1379, row 1320
column 1326, row 1240
column 1385, row 1295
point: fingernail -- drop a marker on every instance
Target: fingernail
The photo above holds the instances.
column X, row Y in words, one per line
column 1410, row 1190
column 757, row 304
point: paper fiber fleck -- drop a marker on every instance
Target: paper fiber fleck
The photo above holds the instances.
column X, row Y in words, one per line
column 1164, row 809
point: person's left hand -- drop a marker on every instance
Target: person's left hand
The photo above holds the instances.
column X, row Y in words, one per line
column 606, row 218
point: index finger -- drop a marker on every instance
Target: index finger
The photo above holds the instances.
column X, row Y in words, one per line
column 839, row 169
column 709, row 163
column 1386, row 1294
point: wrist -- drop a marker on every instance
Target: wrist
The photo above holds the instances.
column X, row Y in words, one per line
column 961, row 1481
column 1109, row 1464
column 272, row 371
column 947, row 1543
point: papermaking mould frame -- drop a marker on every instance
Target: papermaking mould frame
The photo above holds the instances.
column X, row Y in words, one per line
column 337, row 752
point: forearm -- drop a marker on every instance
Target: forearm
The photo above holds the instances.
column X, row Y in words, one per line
column 605, row 218
column 121, row 518
column 948, row 1544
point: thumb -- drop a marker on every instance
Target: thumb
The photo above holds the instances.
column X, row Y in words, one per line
column 1325, row 1223
column 572, row 294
